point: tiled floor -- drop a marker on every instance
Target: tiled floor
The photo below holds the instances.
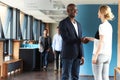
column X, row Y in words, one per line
column 43, row 75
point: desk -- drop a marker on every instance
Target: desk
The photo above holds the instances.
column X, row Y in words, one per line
column 31, row 59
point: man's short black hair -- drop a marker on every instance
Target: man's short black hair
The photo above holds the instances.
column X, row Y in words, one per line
column 69, row 5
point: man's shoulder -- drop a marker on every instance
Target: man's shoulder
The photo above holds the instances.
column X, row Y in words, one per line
column 41, row 38
column 65, row 19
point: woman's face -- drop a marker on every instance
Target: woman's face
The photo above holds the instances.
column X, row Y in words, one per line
column 99, row 14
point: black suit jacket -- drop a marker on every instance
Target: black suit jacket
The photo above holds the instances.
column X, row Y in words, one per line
column 72, row 46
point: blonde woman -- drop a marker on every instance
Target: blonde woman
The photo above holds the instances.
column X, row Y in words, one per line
column 102, row 44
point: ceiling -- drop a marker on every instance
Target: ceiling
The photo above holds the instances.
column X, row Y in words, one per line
column 50, row 11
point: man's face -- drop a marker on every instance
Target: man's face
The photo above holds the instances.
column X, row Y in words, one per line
column 58, row 31
column 45, row 32
column 72, row 11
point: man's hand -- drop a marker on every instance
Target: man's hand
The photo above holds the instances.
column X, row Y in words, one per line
column 84, row 40
column 82, row 61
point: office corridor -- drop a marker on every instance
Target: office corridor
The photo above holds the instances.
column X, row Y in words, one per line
column 22, row 22
column 50, row 74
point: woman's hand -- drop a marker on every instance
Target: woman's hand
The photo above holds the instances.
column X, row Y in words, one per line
column 94, row 59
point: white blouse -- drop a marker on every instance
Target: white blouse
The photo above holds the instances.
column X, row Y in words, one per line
column 105, row 29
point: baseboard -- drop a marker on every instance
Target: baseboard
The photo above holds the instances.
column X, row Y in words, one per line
column 90, row 76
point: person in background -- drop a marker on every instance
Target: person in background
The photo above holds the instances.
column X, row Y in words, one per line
column 45, row 42
column 57, row 46
column 72, row 49
column 102, row 44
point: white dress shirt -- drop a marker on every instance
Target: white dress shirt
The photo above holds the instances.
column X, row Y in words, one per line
column 57, row 42
column 76, row 27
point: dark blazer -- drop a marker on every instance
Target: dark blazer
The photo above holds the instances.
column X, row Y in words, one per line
column 42, row 42
column 72, row 46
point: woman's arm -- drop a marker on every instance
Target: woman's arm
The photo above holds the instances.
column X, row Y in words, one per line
column 100, row 44
column 90, row 38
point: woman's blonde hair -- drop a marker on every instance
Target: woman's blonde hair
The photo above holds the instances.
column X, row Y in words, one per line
column 106, row 11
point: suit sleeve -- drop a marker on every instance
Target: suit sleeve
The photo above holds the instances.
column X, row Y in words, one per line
column 65, row 33
column 82, row 52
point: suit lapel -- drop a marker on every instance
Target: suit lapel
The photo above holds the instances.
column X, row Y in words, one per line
column 72, row 27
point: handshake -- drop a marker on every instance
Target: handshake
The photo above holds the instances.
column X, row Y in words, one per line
column 85, row 40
